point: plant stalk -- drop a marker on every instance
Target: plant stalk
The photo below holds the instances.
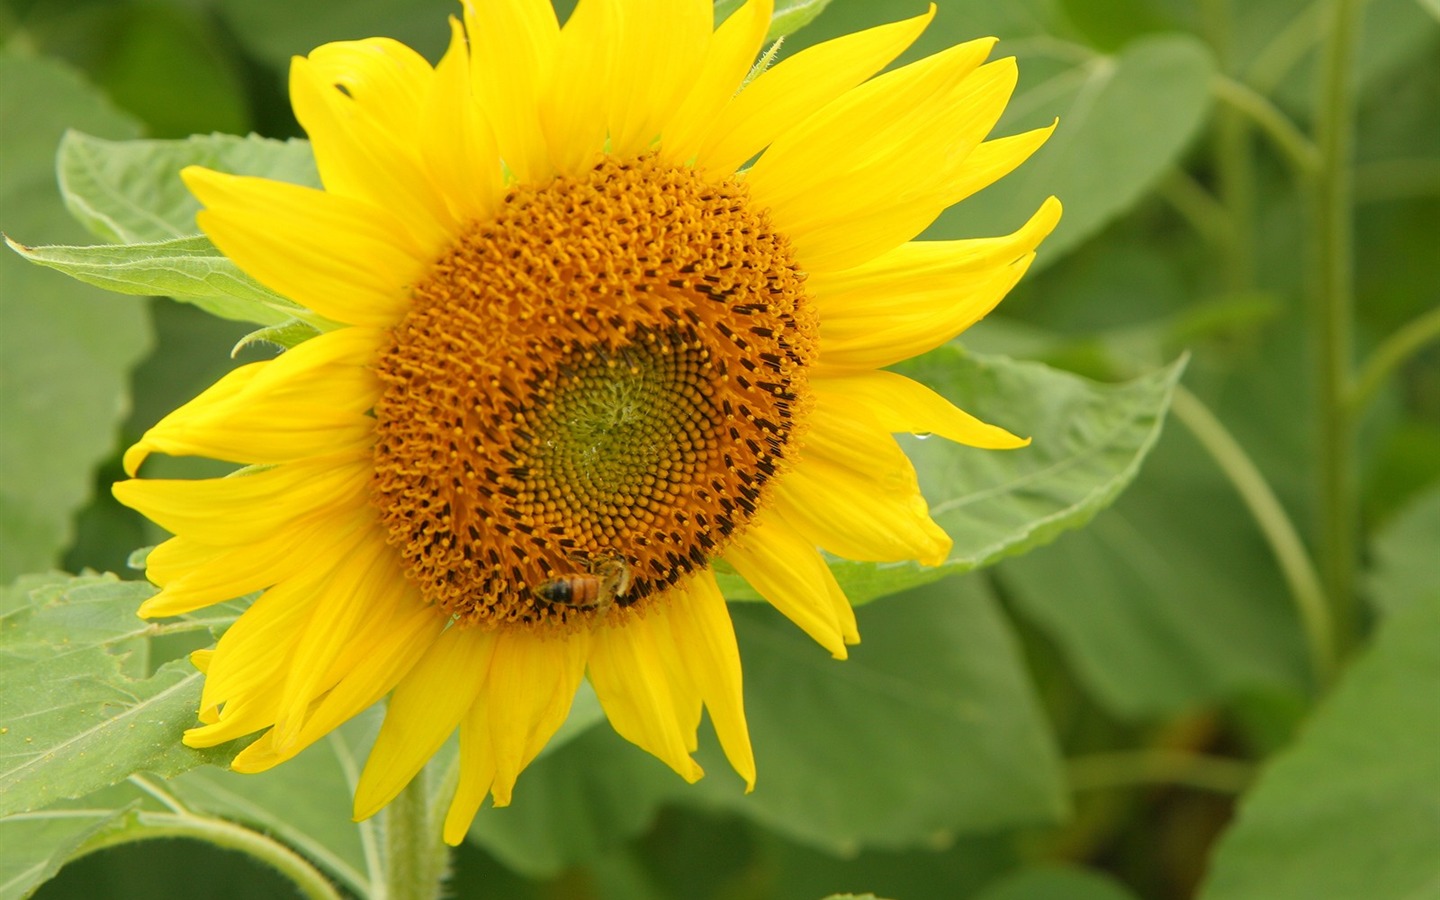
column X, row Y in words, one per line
column 416, row 859
column 1332, row 315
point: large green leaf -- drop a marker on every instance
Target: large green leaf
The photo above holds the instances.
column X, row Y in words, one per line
column 1353, row 809
column 1124, row 121
column 130, row 191
column 187, row 268
column 1089, row 440
column 1170, row 599
column 86, row 718
column 1403, row 555
column 65, row 348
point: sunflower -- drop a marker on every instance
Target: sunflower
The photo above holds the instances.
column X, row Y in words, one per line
column 579, row 351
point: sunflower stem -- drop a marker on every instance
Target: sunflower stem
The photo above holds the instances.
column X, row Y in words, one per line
column 416, row 860
column 1332, row 311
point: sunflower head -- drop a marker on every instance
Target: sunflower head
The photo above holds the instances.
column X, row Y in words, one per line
column 580, row 353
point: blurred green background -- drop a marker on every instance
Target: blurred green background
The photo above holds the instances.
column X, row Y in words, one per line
column 1153, row 659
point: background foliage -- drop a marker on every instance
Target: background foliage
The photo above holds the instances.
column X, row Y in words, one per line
column 1142, row 708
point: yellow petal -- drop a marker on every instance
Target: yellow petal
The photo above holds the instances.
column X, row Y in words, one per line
column 531, row 687
column 346, row 259
column 896, row 282
column 854, row 493
column 360, row 103
column 993, row 160
column 628, row 671
column 477, row 773
column 425, row 709
column 246, row 506
column 251, row 657
column 353, row 594
column 311, row 401
column 728, row 60
column 703, row 634
column 512, row 50
column 858, row 178
column 787, row 571
column 662, row 45
column 461, row 151
column 371, row 670
column 575, row 102
column 191, row 582
column 856, row 338
column 796, row 87
column 899, row 404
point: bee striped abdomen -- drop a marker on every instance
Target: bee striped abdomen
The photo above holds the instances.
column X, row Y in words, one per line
column 571, row 590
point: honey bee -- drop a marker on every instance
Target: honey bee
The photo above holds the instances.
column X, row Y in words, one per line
column 603, row 581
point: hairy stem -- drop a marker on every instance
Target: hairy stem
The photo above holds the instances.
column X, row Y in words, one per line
column 415, row 858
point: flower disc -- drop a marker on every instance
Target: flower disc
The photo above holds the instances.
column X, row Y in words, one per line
column 610, row 369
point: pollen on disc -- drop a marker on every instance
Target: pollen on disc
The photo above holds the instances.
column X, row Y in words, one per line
column 609, row 372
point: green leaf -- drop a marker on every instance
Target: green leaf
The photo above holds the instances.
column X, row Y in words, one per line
column 1432, row 7
column 930, row 729
column 65, row 349
column 86, row 719
column 1088, row 442
column 789, row 15
column 1353, row 809
column 1170, row 599
column 33, row 846
column 1055, row 883
column 130, row 191
column 1403, row 551
column 189, row 269
column 1124, row 121
column 287, row 334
